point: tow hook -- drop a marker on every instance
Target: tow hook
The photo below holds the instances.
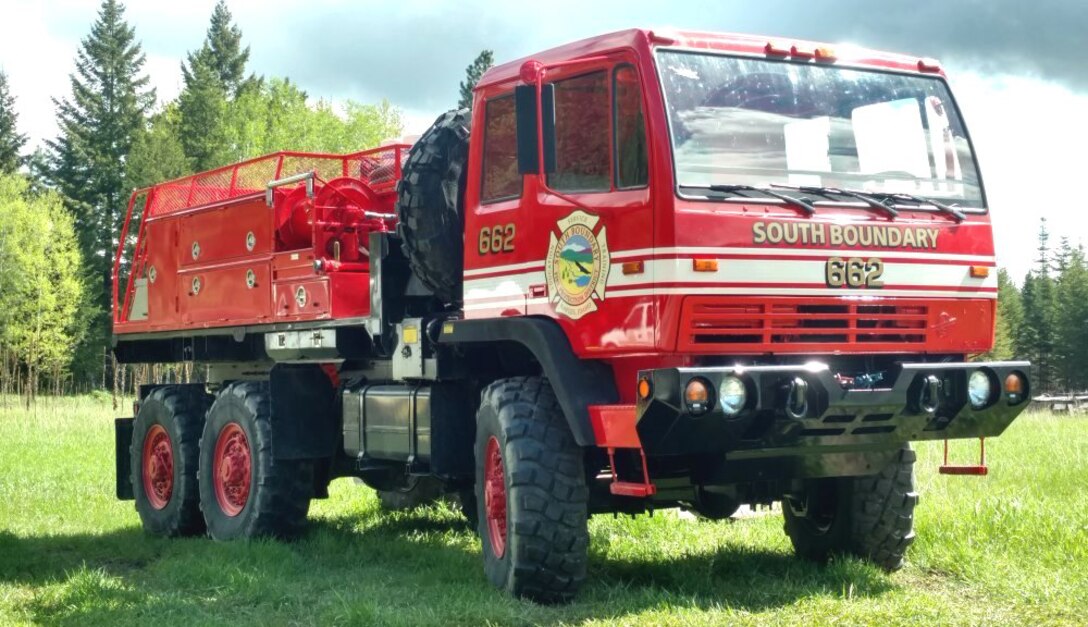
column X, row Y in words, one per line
column 797, row 398
column 929, row 397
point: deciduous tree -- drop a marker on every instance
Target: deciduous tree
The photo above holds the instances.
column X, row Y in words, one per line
column 41, row 285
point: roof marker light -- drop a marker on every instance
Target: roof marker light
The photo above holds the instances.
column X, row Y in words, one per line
column 661, row 39
column 929, row 65
column 802, row 53
column 774, row 49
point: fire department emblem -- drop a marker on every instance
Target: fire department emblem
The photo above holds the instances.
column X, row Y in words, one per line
column 577, row 266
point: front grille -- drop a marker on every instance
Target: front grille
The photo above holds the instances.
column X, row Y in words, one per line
column 710, row 323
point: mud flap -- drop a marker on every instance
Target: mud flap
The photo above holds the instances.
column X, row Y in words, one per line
column 305, row 419
column 122, row 440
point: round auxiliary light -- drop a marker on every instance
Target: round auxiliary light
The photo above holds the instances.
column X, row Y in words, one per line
column 733, row 395
column 1014, row 387
column 980, row 389
column 697, row 396
column 644, row 388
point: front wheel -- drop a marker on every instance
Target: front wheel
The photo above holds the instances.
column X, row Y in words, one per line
column 244, row 491
column 869, row 517
column 530, row 492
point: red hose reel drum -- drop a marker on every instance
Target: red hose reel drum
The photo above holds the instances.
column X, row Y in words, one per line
column 342, row 214
column 294, row 219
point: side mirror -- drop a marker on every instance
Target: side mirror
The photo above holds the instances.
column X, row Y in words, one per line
column 525, row 104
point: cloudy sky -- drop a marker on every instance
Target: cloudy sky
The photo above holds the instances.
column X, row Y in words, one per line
column 1019, row 69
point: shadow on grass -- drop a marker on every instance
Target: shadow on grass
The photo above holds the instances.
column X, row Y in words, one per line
column 368, row 568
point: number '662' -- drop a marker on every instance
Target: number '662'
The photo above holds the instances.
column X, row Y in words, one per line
column 498, row 239
column 854, row 272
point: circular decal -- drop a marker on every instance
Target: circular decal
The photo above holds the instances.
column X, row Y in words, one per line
column 577, row 266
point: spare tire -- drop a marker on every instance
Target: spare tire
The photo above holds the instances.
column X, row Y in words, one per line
column 430, row 204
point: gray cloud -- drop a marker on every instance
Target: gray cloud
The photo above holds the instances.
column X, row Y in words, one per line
column 415, row 53
column 1006, row 36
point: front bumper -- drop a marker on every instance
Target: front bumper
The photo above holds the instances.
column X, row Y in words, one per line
column 915, row 401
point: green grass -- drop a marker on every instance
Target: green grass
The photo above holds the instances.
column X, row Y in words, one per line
column 1008, row 548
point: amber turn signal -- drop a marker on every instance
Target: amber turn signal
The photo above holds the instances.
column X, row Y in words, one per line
column 704, row 265
column 634, row 267
column 644, row 388
column 980, row 272
column 1014, row 384
column 697, row 396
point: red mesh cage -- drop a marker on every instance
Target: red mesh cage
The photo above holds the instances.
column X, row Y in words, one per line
column 379, row 167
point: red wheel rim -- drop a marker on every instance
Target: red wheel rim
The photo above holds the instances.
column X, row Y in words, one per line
column 495, row 497
column 232, row 469
column 158, row 466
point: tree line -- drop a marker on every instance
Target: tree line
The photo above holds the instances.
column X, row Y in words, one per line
column 62, row 206
column 1045, row 320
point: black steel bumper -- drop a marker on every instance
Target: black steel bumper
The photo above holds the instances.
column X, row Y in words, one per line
column 808, row 410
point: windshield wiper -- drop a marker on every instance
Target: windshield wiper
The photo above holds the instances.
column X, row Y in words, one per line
column 799, row 203
column 875, row 203
column 949, row 209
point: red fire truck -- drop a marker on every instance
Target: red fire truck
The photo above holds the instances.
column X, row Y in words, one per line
column 647, row 270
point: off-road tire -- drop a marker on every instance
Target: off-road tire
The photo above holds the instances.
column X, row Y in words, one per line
column 869, row 517
column 180, row 410
column 430, row 204
column 547, row 540
column 280, row 490
column 416, row 492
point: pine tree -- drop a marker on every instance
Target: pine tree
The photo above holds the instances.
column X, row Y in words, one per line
column 1010, row 317
column 222, row 52
column 1072, row 326
column 1062, row 259
column 202, row 109
column 98, row 123
column 11, row 141
column 214, row 78
column 473, row 73
column 157, row 154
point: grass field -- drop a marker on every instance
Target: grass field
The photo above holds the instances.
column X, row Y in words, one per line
column 1008, row 548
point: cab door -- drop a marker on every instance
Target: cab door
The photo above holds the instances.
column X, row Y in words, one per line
column 574, row 244
column 595, row 209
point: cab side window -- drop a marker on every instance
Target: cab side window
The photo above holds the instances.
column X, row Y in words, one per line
column 500, row 162
column 582, row 117
column 630, row 129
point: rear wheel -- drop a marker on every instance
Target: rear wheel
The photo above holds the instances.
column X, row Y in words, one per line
column 164, row 453
column 530, row 492
column 244, row 492
column 868, row 517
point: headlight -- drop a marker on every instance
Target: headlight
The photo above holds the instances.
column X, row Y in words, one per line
column 980, row 389
column 733, row 395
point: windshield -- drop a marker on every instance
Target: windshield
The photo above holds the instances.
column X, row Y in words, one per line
column 759, row 122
